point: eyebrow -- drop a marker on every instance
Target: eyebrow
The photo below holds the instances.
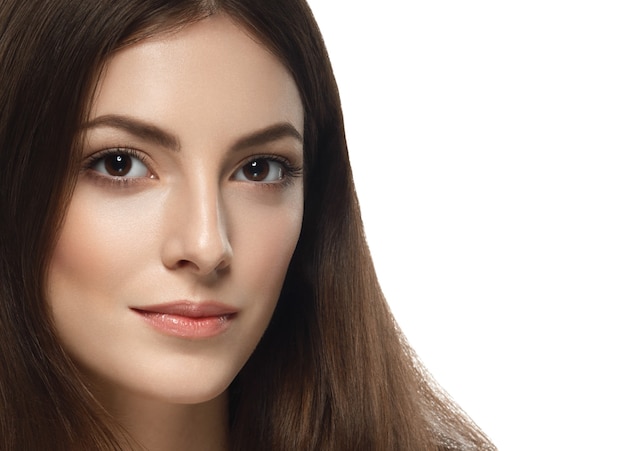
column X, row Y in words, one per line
column 163, row 138
column 266, row 135
column 138, row 128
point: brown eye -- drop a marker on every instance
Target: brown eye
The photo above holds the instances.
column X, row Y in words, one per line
column 261, row 170
column 117, row 165
column 256, row 170
column 124, row 163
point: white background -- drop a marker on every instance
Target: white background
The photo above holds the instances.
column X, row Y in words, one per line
column 488, row 141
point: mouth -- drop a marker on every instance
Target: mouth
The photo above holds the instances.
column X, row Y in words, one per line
column 188, row 320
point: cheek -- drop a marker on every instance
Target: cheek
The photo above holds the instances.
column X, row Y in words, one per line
column 99, row 247
column 264, row 238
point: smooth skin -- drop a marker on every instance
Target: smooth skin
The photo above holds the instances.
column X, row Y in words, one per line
column 190, row 190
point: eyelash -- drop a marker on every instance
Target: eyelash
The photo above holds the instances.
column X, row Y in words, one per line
column 111, row 180
column 291, row 171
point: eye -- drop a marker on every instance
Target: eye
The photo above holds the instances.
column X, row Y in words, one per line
column 120, row 163
column 261, row 169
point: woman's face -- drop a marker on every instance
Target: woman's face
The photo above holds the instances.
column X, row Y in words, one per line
column 185, row 215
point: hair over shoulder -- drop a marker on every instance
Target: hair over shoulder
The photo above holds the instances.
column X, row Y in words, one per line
column 332, row 372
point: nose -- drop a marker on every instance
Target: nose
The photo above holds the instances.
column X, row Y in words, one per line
column 197, row 234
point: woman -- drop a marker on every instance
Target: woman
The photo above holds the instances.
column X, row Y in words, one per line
column 183, row 263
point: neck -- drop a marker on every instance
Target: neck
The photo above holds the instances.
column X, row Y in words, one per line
column 161, row 426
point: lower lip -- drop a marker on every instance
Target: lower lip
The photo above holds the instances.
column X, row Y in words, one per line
column 187, row 327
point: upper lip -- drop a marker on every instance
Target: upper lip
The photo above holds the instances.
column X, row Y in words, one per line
column 190, row 309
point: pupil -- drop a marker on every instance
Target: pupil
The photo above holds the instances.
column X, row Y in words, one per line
column 118, row 165
column 257, row 170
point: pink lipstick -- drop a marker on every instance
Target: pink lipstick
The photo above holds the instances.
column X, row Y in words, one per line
column 187, row 319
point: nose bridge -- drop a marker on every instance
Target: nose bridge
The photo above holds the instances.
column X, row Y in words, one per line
column 199, row 236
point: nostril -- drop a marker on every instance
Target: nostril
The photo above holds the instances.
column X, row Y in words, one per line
column 200, row 244
column 181, row 264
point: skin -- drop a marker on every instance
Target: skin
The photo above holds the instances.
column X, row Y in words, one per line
column 186, row 224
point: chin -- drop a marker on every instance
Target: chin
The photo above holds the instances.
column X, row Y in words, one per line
column 179, row 384
column 191, row 397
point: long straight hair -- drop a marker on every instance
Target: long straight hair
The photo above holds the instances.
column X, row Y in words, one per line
column 332, row 372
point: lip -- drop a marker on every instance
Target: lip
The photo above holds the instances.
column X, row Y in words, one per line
column 186, row 319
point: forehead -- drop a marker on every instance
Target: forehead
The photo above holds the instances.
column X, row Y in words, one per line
column 211, row 75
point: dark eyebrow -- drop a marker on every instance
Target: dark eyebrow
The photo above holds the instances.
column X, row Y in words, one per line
column 267, row 135
column 166, row 139
column 136, row 127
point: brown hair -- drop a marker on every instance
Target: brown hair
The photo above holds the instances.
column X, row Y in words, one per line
column 332, row 372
